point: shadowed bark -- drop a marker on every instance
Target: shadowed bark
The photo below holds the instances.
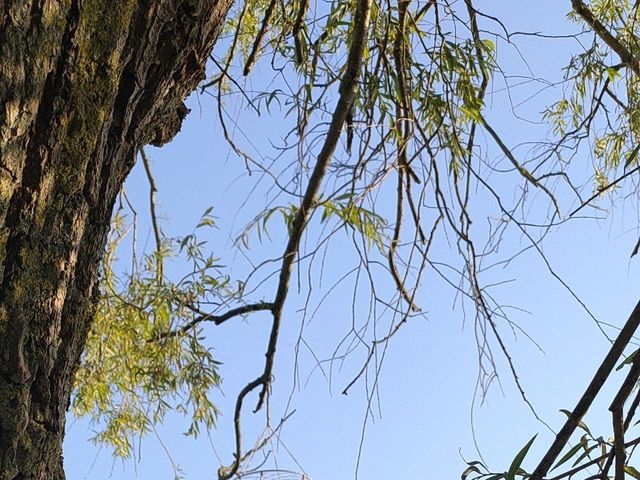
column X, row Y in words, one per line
column 83, row 85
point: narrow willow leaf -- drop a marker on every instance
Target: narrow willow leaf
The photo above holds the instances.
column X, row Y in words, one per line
column 632, row 471
column 468, row 471
column 517, row 461
column 627, row 360
column 572, row 451
column 581, row 425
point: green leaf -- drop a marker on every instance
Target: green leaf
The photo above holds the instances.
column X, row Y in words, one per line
column 468, row 471
column 632, row 471
column 517, row 461
column 581, row 425
column 572, row 451
column 627, row 360
column 584, row 454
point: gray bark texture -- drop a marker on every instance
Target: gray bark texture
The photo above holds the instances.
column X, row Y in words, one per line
column 83, row 85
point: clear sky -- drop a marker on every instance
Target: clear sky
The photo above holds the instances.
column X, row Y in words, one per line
column 424, row 410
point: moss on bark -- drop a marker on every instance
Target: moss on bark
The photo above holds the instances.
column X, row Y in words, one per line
column 81, row 89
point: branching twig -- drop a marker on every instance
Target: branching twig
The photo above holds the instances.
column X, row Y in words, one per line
column 217, row 319
column 348, row 90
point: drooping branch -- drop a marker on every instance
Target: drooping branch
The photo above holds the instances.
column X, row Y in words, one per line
column 347, row 95
column 404, row 121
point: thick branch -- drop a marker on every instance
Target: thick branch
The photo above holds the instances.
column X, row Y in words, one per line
column 601, row 375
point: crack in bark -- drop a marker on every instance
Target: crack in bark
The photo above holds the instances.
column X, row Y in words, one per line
column 106, row 86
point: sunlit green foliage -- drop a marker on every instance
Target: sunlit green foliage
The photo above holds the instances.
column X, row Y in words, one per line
column 601, row 102
column 134, row 370
column 420, row 108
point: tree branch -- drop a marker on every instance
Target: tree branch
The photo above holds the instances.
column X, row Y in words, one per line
column 217, row 319
column 154, row 217
column 598, row 27
column 606, row 456
column 616, row 410
column 601, row 375
column 348, row 90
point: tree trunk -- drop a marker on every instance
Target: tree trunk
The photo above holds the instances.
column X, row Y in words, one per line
column 83, row 85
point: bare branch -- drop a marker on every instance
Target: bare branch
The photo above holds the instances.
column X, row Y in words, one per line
column 152, row 209
column 348, row 90
column 217, row 319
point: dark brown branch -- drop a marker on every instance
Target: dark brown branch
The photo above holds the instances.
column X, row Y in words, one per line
column 297, row 30
column 600, row 191
column 348, row 90
column 601, row 375
column 595, row 461
column 632, row 410
column 616, row 409
column 606, row 36
column 626, row 388
column 257, row 43
column 618, row 443
column 217, row 319
column 225, row 473
column 404, row 120
column 394, row 245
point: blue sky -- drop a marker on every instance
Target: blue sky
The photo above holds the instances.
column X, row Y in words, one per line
column 424, row 409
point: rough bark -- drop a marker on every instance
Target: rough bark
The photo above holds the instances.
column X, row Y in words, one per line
column 83, row 85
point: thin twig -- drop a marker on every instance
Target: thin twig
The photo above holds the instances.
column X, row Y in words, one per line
column 217, row 319
column 154, row 217
column 609, row 186
column 521, row 170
